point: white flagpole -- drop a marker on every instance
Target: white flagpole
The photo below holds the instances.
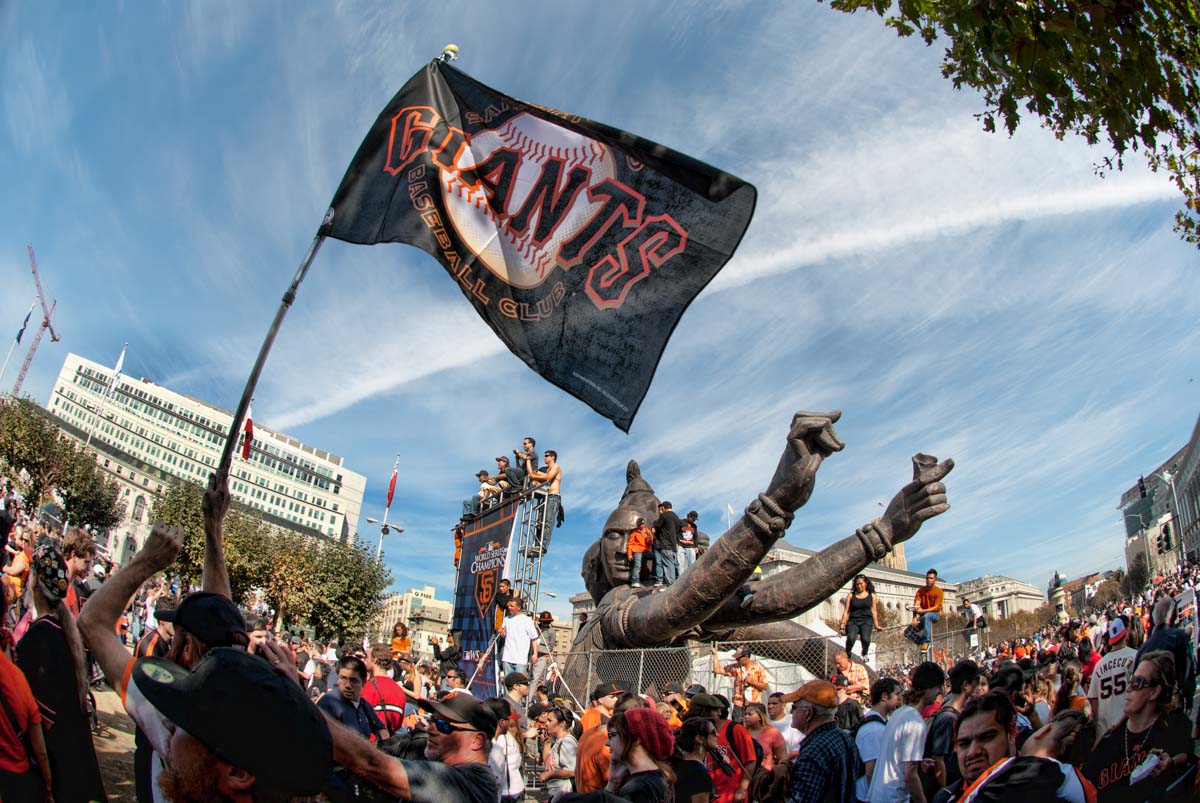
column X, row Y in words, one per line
column 104, row 399
column 13, row 347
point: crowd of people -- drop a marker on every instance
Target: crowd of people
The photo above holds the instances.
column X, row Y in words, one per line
column 1097, row 708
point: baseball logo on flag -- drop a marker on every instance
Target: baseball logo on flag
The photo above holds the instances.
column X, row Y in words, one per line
column 519, row 192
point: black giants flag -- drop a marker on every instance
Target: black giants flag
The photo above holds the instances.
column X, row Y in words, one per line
column 580, row 245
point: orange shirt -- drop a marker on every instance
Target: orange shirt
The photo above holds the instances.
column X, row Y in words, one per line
column 593, row 717
column 930, row 598
column 401, row 646
column 19, row 561
column 640, row 540
column 591, row 761
column 16, row 691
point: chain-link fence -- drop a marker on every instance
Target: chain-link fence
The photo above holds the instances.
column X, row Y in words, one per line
column 785, row 664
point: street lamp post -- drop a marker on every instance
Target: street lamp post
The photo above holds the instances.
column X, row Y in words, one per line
column 384, row 527
column 1169, row 479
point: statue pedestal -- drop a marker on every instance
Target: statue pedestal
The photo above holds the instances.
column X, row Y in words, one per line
column 1058, row 598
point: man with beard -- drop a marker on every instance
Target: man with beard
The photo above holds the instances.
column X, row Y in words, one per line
column 232, row 730
column 460, row 732
column 203, row 620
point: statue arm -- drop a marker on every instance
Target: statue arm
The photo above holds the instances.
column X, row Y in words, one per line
column 796, row 590
column 730, row 561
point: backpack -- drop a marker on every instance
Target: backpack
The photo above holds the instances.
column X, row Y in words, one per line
column 763, row 782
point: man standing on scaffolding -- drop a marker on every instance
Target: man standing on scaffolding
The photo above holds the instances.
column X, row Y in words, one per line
column 552, row 475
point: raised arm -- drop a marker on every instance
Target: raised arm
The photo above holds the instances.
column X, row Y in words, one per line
column 731, row 559
column 98, row 620
column 782, row 596
column 215, row 506
column 363, row 759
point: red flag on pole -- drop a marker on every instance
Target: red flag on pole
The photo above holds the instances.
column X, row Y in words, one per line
column 248, row 433
column 392, row 484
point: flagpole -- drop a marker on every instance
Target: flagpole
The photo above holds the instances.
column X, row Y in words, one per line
column 17, row 340
column 288, row 298
column 11, row 349
column 104, row 399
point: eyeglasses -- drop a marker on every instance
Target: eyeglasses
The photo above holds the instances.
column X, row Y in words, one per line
column 1138, row 683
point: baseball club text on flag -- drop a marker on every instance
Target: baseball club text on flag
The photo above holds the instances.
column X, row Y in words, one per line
column 581, row 245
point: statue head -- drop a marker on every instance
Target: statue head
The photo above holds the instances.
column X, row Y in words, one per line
column 605, row 564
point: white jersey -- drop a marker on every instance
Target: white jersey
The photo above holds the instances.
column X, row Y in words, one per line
column 1109, row 683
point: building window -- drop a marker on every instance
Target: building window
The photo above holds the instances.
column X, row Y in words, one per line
column 139, row 508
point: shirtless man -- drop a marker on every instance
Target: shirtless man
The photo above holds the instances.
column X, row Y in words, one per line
column 553, row 475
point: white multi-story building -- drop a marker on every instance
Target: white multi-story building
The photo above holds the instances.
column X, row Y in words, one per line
column 1000, row 597
column 144, row 435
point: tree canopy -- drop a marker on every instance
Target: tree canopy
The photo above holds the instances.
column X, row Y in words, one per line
column 42, row 461
column 1123, row 71
column 334, row 587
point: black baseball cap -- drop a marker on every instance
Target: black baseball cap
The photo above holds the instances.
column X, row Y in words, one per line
column 515, row 679
column 605, row 689
column 245, row 712
column 210, row 617
column 463, row 709
column 927, row 675
column 695, row 689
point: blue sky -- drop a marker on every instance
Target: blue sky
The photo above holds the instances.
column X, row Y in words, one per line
column 954, row 292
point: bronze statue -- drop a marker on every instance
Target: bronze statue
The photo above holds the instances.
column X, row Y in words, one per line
column 710, row 602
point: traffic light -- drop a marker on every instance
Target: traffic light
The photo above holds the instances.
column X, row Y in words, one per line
column 1142, row 487
column 1166, row 532
column 1158, row 541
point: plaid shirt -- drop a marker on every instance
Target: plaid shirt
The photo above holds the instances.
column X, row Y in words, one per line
column 826, row 767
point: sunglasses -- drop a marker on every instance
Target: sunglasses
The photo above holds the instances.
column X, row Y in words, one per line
column 446, row 727
column 1139, row 683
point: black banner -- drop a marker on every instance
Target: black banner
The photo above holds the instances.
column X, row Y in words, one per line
column 480, row 570
column 581, row 245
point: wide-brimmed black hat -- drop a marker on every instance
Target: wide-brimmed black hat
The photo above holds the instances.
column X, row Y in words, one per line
column 463, row 709
column 210, row 617
column 247, row 713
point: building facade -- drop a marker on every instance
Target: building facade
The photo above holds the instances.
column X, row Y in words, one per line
column 1000, row 597
column 425, row 615
column 1186, row 480
column 145, row 435
column 1148, row 510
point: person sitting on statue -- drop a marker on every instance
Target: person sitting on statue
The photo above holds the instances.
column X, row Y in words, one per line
column 640, row 542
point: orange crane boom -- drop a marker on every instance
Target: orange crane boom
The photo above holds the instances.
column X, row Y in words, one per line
column 42, row 328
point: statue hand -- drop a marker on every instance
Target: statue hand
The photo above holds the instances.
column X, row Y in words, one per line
column 921, row 499
column 810, row 440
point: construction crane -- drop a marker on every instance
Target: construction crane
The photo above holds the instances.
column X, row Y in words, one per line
column 45, row 325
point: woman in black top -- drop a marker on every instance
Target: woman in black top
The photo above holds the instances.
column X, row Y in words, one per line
column 51, row 656
column 860, row 617
column 1151, row 728
column 696, row 737
column 640, row 743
